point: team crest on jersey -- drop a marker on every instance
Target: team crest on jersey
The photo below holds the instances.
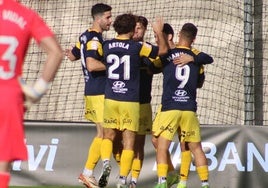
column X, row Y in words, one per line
column 84, row 39
column 94, row 45
column 95, row 38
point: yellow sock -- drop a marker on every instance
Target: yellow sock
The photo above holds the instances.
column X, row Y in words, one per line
column 126, row 162
column 106, row 149
column 202, row 172
column 136, row 168
column 162, row 170
column 93, row 153
column 186, row 159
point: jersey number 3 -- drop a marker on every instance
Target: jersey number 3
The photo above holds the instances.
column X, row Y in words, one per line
column 9, row 56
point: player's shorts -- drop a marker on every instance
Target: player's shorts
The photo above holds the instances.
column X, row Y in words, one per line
column 145, row 124
column 94, row 106
column 12, row 138
column 121, row 115
column 186, row 123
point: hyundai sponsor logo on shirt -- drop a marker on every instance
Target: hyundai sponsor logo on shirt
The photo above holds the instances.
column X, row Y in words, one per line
column 119, row 87
column 180, row 93
column 180, row 96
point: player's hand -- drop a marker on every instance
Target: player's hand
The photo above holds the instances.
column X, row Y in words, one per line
column 33, row 93
column 68, row 53
column 158, row 25
column 183, row 59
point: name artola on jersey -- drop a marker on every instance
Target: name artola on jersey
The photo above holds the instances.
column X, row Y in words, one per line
column 118, row 44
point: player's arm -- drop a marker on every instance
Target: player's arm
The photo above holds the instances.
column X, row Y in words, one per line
column 201, row 77
column 183, row 59
column 158, row 30
column 74, row 53
column 93, row 55
column 52, row 64
column 154, row 65
column 53, row 60
column 202, row 58
column 94, row 64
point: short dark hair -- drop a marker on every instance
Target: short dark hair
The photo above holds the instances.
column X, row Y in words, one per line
column 167, row 29
column 100, row 8
column 189, row 30
column 143, row 21
column 125, row 23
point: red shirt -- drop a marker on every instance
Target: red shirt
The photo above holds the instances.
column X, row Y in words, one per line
column 18, row 24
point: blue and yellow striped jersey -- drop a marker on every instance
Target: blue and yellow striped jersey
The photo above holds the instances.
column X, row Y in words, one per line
column 180, row 83
column 123, row 59
column 90, row 45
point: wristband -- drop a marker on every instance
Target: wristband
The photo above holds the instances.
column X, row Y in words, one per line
column 40, row 87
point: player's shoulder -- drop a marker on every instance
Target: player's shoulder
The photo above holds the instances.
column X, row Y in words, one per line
column 195, row 51
column 91, row 35
column 18, row 7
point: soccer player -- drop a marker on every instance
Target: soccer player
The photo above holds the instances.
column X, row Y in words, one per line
column 201, row 58
column 121, row 105
column 178, row 112
column 18, row 24
column 89, row 49
column 145, row 123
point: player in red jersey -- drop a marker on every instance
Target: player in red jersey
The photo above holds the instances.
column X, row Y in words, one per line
column 18, row 24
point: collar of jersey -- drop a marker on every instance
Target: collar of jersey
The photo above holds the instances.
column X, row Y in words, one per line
column 121, row 38
column 183, row 47
column 93, row 30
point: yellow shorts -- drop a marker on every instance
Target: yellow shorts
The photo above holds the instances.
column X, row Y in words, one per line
column 186, row 123
column 94, row 108
column 145, row 124
column 121, row 115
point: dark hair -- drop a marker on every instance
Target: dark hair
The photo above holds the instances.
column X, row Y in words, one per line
column 167, row 29
column 100, row 8
column 143, row 21
column 189, row 30
column 125, row 23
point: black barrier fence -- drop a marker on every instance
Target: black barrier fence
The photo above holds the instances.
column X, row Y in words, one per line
column 237, row 156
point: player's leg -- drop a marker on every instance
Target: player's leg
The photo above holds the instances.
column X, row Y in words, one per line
column 110, row 130
column 186, row 159
column 172, row 177
column 190, row 124
column 138, row 159
column 145, row 127
column 4, row 174
column 117, row 148
column 12, row 137
column 165, row 130
column 129, row 124
column 126, row 157
column 161, row 159
column 106, row 153
column 200, row 162
column 93, row 112
column 87, row 176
